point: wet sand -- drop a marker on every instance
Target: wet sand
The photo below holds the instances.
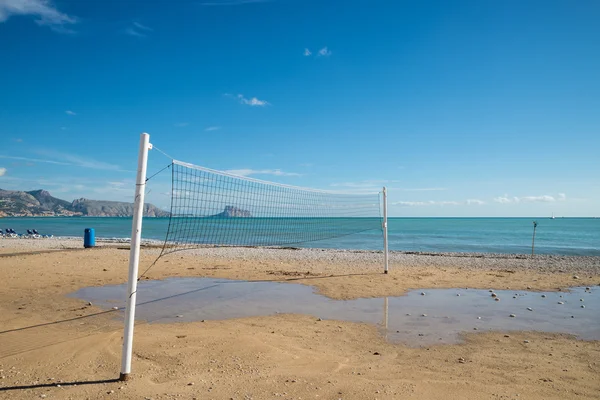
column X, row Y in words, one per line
column 289, row 356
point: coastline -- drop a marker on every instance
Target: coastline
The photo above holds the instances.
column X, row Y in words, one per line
column 570, row 236
column 258, row 357
column 540, row 262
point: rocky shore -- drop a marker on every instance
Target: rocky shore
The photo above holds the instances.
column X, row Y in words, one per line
column 589, row 265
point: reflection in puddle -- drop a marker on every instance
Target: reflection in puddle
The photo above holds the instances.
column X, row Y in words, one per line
column 439, row 315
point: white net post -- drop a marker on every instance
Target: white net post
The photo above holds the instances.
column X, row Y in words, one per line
column 134, row 255
column 385, row 232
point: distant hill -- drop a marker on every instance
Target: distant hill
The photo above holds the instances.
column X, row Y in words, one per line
column 14, row 203
column 48, row 202
column 99, row 208
column 232, row 212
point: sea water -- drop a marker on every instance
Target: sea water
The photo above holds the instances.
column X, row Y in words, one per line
column 561, row 236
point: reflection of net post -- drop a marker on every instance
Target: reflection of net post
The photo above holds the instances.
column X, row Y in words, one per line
column 385, row 231
column 134, row 255
column 385, row 314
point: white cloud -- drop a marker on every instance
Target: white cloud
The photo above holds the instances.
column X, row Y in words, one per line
column 475, row 201
column 181, row 124
column 34, row 160
column 142, row 27
column 2, row 171
column 538, row 199
column 43, row 10
column 506, row 200
column 69, row 112
column 324, row 52
column 138, row 30
column 365, row 184
column 58, row 158
column 378, row 183
column 72, row 159
column 248, row 172
column 438, row 203
column 307, row 52
column 212, row 128
column 124, row 186
column 133, row 32
column 529, row 199
column 252, row 101
column 434, row 189
column 413, row 203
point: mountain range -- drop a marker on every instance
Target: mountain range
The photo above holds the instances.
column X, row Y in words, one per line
column 14, row 203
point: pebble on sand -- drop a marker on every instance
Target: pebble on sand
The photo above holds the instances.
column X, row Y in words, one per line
column 575, row 277
column 525, row 341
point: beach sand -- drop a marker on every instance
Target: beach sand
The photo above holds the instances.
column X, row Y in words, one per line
column 48, row 339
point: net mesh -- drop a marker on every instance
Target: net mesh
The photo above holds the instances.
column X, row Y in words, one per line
column 211, row 207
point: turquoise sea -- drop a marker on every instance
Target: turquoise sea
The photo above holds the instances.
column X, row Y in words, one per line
column 561, row 236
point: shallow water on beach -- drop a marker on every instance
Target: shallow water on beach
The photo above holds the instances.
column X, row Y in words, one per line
column 416, row 319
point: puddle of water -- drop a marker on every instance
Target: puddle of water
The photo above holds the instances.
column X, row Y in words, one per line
column 399, row 318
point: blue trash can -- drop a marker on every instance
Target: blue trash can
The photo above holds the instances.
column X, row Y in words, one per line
column 89, row 238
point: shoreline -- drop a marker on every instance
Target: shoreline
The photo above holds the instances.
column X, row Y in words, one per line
column 343, row 268
column 75, row 241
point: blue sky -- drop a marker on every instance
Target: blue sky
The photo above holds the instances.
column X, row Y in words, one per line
column 461, row 108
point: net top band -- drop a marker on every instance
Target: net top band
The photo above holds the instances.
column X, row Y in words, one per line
column 254, row 180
